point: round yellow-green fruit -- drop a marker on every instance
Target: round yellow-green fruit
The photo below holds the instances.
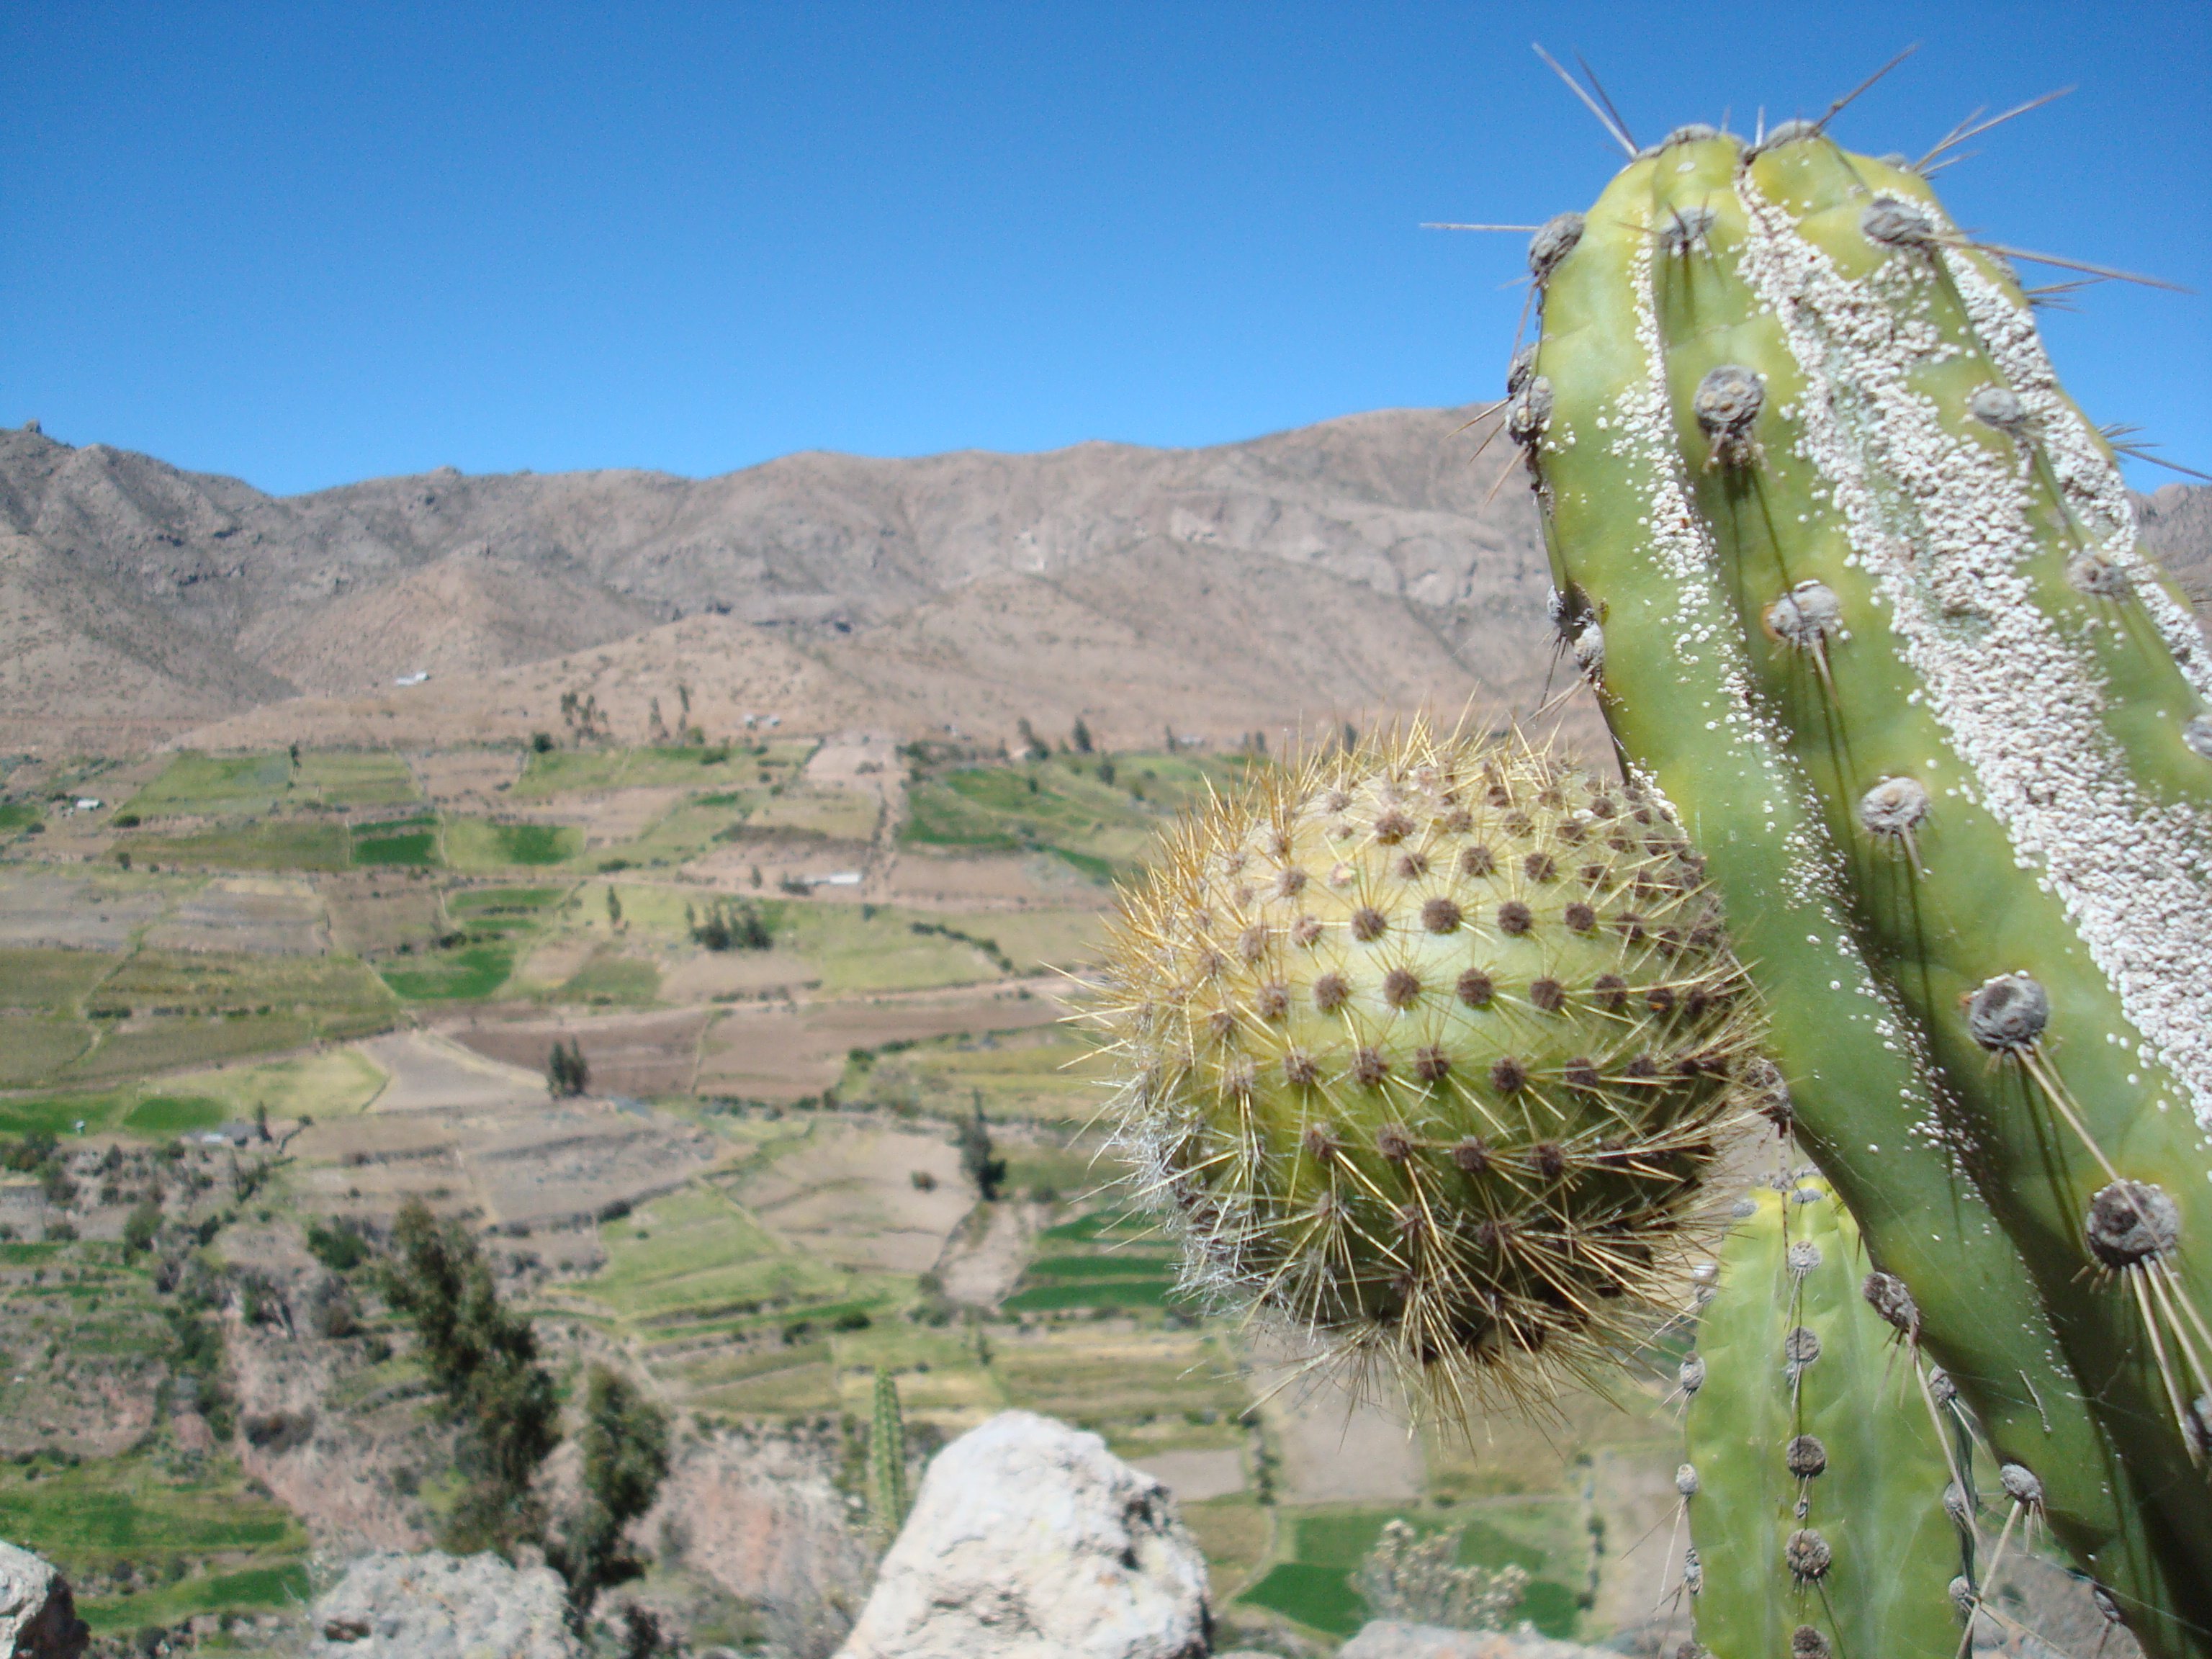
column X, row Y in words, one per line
column 1425, row 1047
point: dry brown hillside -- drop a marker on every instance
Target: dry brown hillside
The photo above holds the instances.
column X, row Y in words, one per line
column 1361, row 565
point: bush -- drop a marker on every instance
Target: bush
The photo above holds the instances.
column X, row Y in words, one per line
column 337, row 1245
column 36, row 1147
column 331, row 1310
column 727, row 926
column 140, row 1228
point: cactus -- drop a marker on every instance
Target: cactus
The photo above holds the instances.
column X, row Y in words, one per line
column 1816, row 1478
column 1425, row 1046
column 1856, row 585
column 887, row 1497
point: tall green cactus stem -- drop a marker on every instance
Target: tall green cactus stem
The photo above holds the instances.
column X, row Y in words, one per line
column 1816, row 1475
column 887, row 1498
column 1855, row 584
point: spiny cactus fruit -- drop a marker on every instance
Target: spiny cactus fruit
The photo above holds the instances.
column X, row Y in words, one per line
column 1425, row 1047
column 1873, row 621
column 1816, row 1473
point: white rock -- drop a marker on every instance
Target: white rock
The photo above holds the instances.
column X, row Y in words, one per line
column 38, row 1614
column 443, row 1606
column 1389, row 1639
column 1031, row 1541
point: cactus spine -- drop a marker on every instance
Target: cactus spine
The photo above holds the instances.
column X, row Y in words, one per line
column 887, row 1496
column 1816, row 1480
column 1425, row 1046
column 1867, row 613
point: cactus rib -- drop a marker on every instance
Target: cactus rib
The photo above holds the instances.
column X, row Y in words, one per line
column 1807, row 1428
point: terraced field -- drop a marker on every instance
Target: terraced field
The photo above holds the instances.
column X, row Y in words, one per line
column 759, row 1200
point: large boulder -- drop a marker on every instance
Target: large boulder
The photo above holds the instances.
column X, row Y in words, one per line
column 1031, row 1541
column 443, row 1606
column 1391, row 1638
column 38, row 1614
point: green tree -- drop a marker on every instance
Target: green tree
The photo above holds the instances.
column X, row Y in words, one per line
column 614, row 906
column 986, row 1172
column 568, row 1073
column 1080, row 737
column 140, row 1228
column 483, row 1359
column 624, row 1443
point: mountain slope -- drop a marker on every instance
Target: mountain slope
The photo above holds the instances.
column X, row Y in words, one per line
column 1363, row 565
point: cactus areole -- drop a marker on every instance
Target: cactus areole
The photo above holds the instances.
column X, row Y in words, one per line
column 1425, row 1047
column 1875, row 628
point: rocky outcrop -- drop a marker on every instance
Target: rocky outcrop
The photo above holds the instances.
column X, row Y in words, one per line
column 1031, row 1541
column 758, row 1513
column 38, row 1614
column 442, row 1607
column 1389, row 1639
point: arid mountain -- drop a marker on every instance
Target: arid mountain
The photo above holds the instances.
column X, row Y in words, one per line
column 2176, row 526
column 1364, row 564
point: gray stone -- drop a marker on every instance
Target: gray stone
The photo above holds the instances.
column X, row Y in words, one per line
column 443, row 1606
column 1031, row 1541
column 38, row 1614
column 1388, row 1638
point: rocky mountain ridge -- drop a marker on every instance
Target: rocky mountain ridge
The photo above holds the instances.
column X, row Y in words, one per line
column 1375, row 561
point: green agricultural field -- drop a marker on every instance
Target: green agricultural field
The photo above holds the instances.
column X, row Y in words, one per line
column 194, row 785
column 206, row 1544
column 1065, row 806
column 328, row 1083
column 60, row 1113
column 357, row 779
column 172, row 1043
column 49, row 981
column 833, row 814
column 711, row 766
column 609, row 978
column 159, row 1116
column 1037, row 940
column 482, row 844
column 1102, row 1376
column 472, row 904
column 680, row 835
column 860, row 947
column 210, row 981
column 1109, row 1259
column 467, row 974
column 16, row 815
column 1045, row 1074
column 32, row 1050
column 411, row 841
column 278, row 844
column 695, row 1252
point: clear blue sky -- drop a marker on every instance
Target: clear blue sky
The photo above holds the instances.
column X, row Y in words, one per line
column 311, row 243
